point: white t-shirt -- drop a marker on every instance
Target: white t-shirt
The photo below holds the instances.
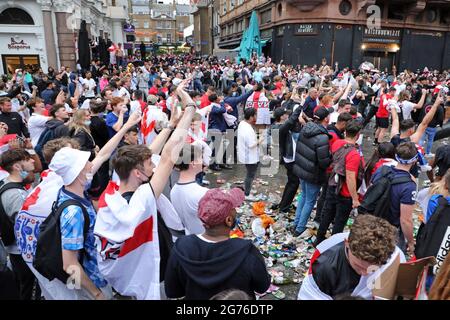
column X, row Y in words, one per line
column 406, row 107
column 334, row 117
column 89, row 92
column 246, row 138
column 185, row 198
column 134, row 105
column 123, row 92
column 36, row 125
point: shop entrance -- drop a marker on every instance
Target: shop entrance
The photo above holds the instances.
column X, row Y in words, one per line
column 381, row 60
column 13, row 62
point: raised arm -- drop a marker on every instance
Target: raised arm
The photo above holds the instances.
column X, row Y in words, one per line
column 105, row 153
column 395, row 123
column 426, row 120
column 174, row 145
column 419, row 104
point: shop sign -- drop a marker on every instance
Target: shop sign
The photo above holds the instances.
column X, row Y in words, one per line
column 18, row 45
column 306, row 29
column 381, row 35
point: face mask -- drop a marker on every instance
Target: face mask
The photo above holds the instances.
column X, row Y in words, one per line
column 87, row 123
column 235, row 94
column 198, row 103
column 89, row 178
column 147, row 179
column 23, row 174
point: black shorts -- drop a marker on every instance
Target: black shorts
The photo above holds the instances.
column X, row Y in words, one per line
column 382, row 122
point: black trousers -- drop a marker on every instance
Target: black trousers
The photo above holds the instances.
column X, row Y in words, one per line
column 251, row 173
column 321, row 202
column 290, row 189
column 25, row 279
column 336, row 208
column 328, row 213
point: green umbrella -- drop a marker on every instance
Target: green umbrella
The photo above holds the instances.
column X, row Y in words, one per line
column 251, row 39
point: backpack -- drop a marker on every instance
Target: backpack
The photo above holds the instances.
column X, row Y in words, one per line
column 6, row 225
column 433, row 238
column 46, row 136
column 377, row 199
column 48, row 258
column 337, row 176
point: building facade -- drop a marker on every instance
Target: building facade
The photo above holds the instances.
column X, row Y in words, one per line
column 408, row 34
column 158, row 23
column 206, row 26
column 43, row 33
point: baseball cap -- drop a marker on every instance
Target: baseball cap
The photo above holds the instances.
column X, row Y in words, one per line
column 321, row 113
column 152, row 99
column 217, row 204
column 68, row 163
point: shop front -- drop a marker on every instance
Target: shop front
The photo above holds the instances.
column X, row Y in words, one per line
column 380, row 47
column 19, row 51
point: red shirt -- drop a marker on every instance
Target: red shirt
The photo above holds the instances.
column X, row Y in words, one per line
column 204, row 102
column 382, row 111
column 153, row 90
column 352, row 162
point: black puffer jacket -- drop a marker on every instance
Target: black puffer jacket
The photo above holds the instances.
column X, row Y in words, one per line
column 313, row 155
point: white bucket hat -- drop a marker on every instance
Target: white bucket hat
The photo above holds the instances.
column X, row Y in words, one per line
column 68, row 163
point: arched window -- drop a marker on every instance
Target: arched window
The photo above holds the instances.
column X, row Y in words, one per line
column 15, row 16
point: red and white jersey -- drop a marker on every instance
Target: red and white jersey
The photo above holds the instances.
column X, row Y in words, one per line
column 259, row 101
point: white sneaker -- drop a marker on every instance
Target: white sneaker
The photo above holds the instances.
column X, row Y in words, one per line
column 306, row 234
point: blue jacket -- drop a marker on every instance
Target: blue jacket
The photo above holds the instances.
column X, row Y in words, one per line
column 216, row 119
column 234, row 101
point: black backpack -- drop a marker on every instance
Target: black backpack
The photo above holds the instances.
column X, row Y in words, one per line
column 433, row 238
column 6, row 225
column 377, row 199
column 48, row 258
column 47, row 135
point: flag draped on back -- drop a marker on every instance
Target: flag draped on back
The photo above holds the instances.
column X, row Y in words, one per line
column 152, row 115
column 127, row 242
column 35, row 210
column 311, row 291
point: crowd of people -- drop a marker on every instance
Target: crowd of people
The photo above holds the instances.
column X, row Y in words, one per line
column 103, row 191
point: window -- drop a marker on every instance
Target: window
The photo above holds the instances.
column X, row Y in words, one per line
column 146, row 24
column 15, row 16
column 266, row 16
column 225, row 6
column 113, row 3
column 181, row 27
column 239, row 25
column 147, row 39
column 169, row 38
column 280, row 31
column 180, row 38
column 159, row 38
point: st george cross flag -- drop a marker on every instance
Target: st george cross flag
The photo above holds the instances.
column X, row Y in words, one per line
column 127, row 242
column 35, row 210
column 311, row 291
column 152, row 115
column 260, row 102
